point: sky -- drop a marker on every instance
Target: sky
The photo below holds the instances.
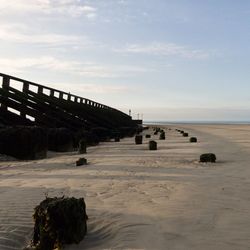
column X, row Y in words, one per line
column 166, row 60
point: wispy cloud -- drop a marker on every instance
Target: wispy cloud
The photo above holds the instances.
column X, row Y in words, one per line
column 86, row 69
column 165, row 49
column 82, row 88
column 72, row 8
column 22, row 34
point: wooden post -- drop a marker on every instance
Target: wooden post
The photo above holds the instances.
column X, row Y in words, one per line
column 52, row 93
column 6, row 82
column 25, row 91
column 5, row 86
column 40, row 90
column 25, row 87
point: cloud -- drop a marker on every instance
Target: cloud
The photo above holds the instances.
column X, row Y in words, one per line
column 82, row 89
column 164, row 49
column 73, row 8
column 20, row 33
column 50, row 63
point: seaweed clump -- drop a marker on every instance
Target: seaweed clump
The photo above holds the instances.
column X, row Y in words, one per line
column 59, row 221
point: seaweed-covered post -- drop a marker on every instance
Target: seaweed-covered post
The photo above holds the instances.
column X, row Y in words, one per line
column 162, row 136
column 209, row 157
column 193, row 139
column 59, row 221
column 82, row 146
column 138, row 139
column 152, row 145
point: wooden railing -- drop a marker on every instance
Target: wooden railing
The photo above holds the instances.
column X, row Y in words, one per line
column 47, row 105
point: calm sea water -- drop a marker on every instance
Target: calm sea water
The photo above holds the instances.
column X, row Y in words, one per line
column 197, row 122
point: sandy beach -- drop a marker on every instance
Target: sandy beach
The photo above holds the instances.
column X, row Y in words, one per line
column 141, row 199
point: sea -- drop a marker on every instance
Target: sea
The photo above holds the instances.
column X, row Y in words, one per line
column 197, row 122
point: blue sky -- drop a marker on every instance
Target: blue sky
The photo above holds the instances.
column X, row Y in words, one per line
column 165, row 59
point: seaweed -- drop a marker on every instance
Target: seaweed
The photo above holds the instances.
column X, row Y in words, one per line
column 59, row 221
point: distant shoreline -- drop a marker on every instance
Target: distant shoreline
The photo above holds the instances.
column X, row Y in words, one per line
column 197, row 122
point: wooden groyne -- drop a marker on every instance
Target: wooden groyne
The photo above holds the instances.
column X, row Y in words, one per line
column 35, row 104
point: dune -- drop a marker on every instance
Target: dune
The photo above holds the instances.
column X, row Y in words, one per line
column 141, row 199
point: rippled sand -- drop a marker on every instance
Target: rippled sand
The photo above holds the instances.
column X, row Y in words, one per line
column 140, row 199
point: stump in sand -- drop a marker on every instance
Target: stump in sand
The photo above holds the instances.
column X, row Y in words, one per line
column 117, row 139
column 138, row 139
column 59, row 221
column 185, row 134
column 81, row 161
column 152, row 145
column 162, row 136
column 82, row 146
column 193, row 139
column 208, row 158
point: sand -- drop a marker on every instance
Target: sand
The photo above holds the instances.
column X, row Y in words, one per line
column 141, row 199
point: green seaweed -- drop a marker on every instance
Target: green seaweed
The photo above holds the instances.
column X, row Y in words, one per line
column 59, row 221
